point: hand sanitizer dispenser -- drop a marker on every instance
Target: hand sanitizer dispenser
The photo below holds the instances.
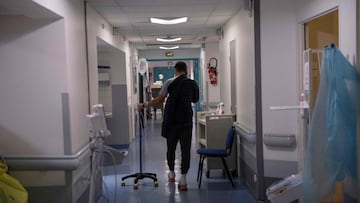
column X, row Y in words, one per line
column 220, row 108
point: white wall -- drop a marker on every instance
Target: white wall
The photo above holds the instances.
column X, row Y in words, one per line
column 32, row 78
column 241, row 29
column 279, row 72
column 73, row 15
column 211, row 50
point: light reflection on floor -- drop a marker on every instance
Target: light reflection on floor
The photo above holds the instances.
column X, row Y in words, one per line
column 154, row 161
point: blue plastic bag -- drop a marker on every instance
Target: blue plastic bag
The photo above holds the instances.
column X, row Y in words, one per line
column 331, row 148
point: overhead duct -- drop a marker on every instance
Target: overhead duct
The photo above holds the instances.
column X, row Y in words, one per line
column 247, row 5
column 220, row 32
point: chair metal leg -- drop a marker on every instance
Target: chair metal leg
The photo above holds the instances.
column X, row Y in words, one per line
column 227, row 171
column 201, row 169
column 198, row 172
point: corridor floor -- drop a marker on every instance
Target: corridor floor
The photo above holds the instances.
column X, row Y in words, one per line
column 213, row 190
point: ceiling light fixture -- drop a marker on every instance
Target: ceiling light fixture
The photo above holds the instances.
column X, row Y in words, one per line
column 168, row 39
column 169, row 22
column 169, row 48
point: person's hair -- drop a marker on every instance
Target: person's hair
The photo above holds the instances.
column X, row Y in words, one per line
column 181, row 67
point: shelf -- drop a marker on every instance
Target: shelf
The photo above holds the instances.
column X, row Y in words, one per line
column 202, row 121
column 202, row 141
column 108, row 114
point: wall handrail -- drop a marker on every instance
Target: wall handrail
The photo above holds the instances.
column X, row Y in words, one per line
column 45, row 163
column 245, row 133
column 280, row 140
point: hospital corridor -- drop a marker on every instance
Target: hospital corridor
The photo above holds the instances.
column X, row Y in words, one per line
column 191, row 101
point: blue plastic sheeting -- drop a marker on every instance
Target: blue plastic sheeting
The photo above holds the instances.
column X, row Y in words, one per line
column 331, row 148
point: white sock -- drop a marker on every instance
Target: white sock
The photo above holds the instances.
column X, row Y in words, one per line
column 183, row 179
column 172, row 174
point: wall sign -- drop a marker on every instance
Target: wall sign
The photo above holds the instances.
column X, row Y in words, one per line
column 169, row 54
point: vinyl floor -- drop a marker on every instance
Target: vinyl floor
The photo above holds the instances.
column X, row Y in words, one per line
column 213, row 190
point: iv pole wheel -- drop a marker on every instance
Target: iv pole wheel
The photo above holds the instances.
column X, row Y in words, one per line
column 136, row 186
column 140, row 175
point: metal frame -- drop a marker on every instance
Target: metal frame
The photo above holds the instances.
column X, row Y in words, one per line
column 258, row 100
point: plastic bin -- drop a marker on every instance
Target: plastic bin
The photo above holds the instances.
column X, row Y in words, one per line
column 286, row 190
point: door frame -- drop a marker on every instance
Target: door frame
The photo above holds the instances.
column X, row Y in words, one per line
column 301, row 48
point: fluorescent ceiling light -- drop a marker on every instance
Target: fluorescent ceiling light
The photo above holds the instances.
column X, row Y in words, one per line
column 168, row 39
column 169, row 22
column 169, row 48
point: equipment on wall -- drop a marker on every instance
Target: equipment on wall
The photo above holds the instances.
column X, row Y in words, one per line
column 212, row 70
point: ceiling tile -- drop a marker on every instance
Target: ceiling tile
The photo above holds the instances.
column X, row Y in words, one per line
column 131, row 18
column 217, row 20
column 168, row 11
column 226, row 9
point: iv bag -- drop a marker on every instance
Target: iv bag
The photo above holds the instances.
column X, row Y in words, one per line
column 142, row 66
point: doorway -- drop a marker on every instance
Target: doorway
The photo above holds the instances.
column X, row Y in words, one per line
column 112, row 92
column 157, row 65
column 163, row 73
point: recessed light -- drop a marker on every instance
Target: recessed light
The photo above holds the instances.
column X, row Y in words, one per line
column 169, row 22
column 169, row 48
column 168, row 39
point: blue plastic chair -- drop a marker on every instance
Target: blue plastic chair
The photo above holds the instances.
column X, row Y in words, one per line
column 221, row 153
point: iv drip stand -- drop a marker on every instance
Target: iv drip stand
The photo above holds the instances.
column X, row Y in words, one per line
column 140, row 175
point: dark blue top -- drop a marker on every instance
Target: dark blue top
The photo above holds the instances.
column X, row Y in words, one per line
column 178, row 110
